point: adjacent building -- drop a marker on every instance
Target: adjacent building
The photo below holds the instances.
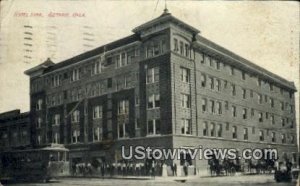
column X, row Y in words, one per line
column 164, row 86
column 14, row 130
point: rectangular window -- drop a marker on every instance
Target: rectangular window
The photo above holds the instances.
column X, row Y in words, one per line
column 244, row 93
column 97, row 67
column 212, row 106
column 218, row 84
column 205, row 128
column 55, row 138
column 251, row 93
column 187, row 50
column 123, row 107
column 75, row 136
column 266, row 98
column 219, row 107
column 272, row 102
column 186, row 126
column 282, row 105
column 232, row 70
column 244, row 113
column 181, row 48
column 154, row 101
column 75, row 116
column 39, row 104
column 153, row 127
column 271, row 87
column 272, row 119
column 57, row 119
column 152, row 75
column 185, row 101
column 261, row 135
column 283, row 140
column 282, row 122
column 175, row 45
column 273, row 136
column 243, row 76
column 211, row 82
column 226, row 105
column 39, row 122
column 212, row 129
column 233, row 111
column 109, row 83
column 234, row 132
column 97, row 112
column 204, row 103
column 97, row 134
column 185, row 75
column 75, row 74
column 245, row 133
column 233, row 91
column 260, row 117
column 219, row 130
column 203, row 80
column 123, row 130
column 217, row 65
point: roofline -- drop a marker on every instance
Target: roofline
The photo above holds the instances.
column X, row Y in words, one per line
column 201, row 41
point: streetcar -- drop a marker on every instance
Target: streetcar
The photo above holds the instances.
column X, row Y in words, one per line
column 40, row 164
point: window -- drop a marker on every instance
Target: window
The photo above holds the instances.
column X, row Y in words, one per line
column 175, row 45
column 217, row 65
column 75, row 74
column 273, row 137
column 266, row 98
column 39, row 122
column 227, row 126
column 203, row 80
column 291, row 108
column 258, row 81
column 292, row 139
column 109, row 82
column 212, row 106
column 283, row 140
column 39, row 104
column 234, row 132
column 55, row 138
column 253, row 130
column 271, row 87
column 185, row 101
column 282, row 105
column 259, row 98
column 267, row 115
column 57, row 119
column 97, row 112
column 272, row 102
column 218, row 84
column 226, row 105
column 272, row 119
column 152, row 75
column 245, row 133
column 244, row 93
column 97, row 134
column 232, row 70
column 153, row 101
column 123, row 107
column 219, row 107
column 204, row 103
column 56, row 80
column 39, row 139
column 137, row 123
column 225, row 84
column 233, row 108
column 153, row 127
column 252, row 112
column 97, row 67
column 181, row 48
column 260, row 117
column 212, row 129
column 244, row 113
column 185, row 75
column 261, row 135
column 243, row 76
column 123, row 130
column 233, row 91
column 219, row 130
column 75, row 136
column 205, row 128
column 211, row 82
column 282, row 122
column 75, row 116
column 186, row 126
column 187, row 50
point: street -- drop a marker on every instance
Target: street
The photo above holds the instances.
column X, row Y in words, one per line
column 257, row 180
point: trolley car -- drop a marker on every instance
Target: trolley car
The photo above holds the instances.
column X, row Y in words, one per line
column 40, row 164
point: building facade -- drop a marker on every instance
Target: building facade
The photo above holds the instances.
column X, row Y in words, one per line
column 165, row 86
column 14, row 130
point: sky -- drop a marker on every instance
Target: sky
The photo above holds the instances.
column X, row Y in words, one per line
column 266, row 33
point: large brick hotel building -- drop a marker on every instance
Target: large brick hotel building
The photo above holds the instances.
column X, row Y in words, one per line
column 164, row 86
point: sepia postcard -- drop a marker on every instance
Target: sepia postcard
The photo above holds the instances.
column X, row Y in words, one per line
column 156, row 92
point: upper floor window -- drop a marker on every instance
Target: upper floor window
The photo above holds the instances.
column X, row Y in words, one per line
column 272, row 102
column 97, row 67
column 181, row 48
column 212, row 129
column 185, row 75
column 185, row 101
column 243, row 76
column 39, row 104
column 219, row 107
column 39, row 122
column 187, row 50
column 283, row 138
column 152, row 75
column 97, row 134
column 55, row 138
column 273, row 137
column 56, row 80
column 219, row 130
column 123, row 130
column 154, row 101
column 175, row 45
column 75, row 116
column 123, row 107
column 244, row 93
column 260, row 117
column 204, row 103
column 205, row 128
column 271, row 87
column 282, row 105
column 233, row 111
column 203, row 80
column 244, row 113
column 218, row 84
column 245, row 133
column 258, row 81
column 153, row 127
column 56, row 119
column 261, row 135
column 232, row 70
column 211, row 83
column 233, row 90
column 234, row 132
column 186, row 126
column 97, row 112
column 75, row 74
column 272, row 119
column 76, row 136
column 259, row 98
